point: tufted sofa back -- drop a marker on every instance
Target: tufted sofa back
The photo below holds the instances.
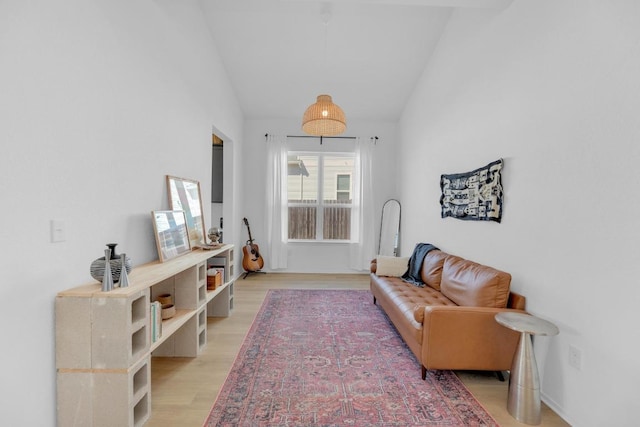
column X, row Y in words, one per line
column 432, row 266
column 465, row 282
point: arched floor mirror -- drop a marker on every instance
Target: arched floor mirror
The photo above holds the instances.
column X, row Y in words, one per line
column 389, row 241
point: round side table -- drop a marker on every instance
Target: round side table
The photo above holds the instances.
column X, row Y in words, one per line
column 523, row 402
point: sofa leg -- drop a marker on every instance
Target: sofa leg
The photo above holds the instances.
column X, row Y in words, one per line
column 424, row 373
column 500, row 376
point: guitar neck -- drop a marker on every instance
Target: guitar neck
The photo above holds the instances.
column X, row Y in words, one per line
column 246, row 222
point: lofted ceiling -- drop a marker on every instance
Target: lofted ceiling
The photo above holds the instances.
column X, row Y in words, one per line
column 366, row 54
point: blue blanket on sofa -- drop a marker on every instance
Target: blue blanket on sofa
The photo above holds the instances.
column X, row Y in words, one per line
column 412, row 275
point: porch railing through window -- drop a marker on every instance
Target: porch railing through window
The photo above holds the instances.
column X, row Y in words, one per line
column 302, row 222
column 336, row 221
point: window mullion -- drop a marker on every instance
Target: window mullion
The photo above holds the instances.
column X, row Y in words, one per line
column 320, row 204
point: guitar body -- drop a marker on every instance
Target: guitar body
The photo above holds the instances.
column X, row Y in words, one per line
column 251, row 258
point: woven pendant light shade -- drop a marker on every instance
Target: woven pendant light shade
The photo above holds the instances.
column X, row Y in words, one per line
column 324, row 118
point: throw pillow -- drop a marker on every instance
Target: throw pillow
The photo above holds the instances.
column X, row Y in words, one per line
column 391, row 266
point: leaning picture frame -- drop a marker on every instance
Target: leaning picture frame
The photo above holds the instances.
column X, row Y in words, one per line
column 172, row 237
column 184, row 194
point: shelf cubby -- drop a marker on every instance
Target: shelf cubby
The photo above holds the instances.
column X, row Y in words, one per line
column 142, row 411
column 220, row 300
column 202, row 294
column 202, row 329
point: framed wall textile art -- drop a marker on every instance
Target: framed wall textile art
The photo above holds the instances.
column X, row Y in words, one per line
column 475, row 195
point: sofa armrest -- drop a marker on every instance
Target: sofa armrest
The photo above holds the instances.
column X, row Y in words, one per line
column 517, row 301
column 458, row 337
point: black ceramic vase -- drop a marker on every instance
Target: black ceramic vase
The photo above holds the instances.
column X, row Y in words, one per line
column 97, row 266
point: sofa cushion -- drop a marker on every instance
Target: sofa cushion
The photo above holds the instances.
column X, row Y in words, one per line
column 391, row 266
column 401, row 301
column 432, row 265
column 470, row 284
column 430, row 298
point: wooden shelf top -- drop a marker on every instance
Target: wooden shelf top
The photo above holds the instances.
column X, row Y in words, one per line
column 146, row 275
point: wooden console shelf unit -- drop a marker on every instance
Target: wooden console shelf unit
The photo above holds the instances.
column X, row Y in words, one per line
column 104, row 344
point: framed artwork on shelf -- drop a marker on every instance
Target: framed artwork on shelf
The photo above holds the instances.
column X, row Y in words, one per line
column 172, row 237
column 184, row 195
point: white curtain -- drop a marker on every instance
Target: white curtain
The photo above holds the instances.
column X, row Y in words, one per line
column 276, row 201
column 362, row 251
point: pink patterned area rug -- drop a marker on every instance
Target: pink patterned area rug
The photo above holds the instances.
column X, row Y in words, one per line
column 332, row 358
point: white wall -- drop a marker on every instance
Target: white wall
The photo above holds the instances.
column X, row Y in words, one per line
column 306, row 257
column 99, row 100
column 552, row 87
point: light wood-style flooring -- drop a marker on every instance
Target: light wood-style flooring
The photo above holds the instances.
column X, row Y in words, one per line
column 184, row 389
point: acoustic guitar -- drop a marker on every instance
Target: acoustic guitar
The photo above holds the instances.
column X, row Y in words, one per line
column 251, row 258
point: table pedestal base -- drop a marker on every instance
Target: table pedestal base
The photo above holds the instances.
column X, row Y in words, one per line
column 524, row 405
column 524, row 385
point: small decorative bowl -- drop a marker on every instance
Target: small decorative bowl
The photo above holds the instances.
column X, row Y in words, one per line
column 164, row 299
column 168, row 311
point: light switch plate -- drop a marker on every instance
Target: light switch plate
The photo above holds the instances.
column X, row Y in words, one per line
column 58, row 232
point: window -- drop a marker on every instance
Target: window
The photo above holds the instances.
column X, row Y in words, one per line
column 319, row 190
column 343, row 190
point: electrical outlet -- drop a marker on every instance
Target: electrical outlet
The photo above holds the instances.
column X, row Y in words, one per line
column 575, row 357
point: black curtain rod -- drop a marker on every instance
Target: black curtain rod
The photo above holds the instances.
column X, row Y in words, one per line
column 375, row 138
column 321, row 137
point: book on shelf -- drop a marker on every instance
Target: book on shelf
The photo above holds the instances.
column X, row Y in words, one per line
column 156, row 321
column 221, row 271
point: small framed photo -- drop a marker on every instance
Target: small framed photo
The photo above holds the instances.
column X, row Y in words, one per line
column 172, row 237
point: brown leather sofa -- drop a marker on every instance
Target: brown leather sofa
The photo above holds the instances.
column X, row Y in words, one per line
column 449, row 323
